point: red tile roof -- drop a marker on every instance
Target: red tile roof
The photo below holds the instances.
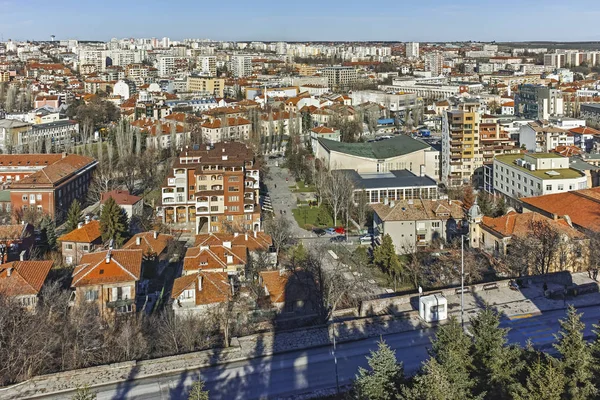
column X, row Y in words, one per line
column 275, row 283
column 148, row 244
column 26, row 277
column 57, row 171
column 213, row 257
column 13, row 232
column 88, row 233
column 254, row 241
column 515, row 224
column 122, row 266
column 122, row 197
column 585, row 130
column 215, row 287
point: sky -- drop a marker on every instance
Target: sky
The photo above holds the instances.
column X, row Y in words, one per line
column 303, row 20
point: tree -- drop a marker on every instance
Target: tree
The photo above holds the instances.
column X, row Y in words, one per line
column 496, row 365
column 280, row 230
column 84, row 393
column 468, row 197
column 576, row 357
column 338, row 192
column 385, row 257
column 500, row 207
column 485, row 203
column 48, row 232
column 382, row 380
column 73, row 216
column 361, row 209
column 433, row 383
column 197, row 391
column 537, row 252
column 113, row 222
column 545, row 381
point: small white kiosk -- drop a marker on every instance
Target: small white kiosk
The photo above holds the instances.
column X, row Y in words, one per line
column 433, row 308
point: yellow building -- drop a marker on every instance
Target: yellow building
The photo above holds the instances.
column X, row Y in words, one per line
column 207, row 85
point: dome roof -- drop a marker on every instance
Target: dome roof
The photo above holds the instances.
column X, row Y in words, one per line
column 474, row 211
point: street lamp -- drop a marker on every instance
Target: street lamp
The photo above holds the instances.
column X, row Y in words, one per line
column 462, row 280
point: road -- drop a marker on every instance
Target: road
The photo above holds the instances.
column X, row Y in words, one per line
column 312, row 369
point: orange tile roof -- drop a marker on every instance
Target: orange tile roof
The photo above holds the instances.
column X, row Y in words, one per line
column 323, row 129
column 230, row 122
column 515, row 224
column 57, row 171
column 585, row 130
column 88, row 233
column 582, row 206
column 215, row 287
column 213, row 257
column 275, row 283
column 26, row 277
column 121, row 197
column 122, row 266
column 12, row 232
column 148, row 244
column 262, row 240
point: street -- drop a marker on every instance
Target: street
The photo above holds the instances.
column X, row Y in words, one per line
column 312, row 369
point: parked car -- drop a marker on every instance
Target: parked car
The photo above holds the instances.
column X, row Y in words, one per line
column 340, row 230
column 319, row 232
column 330, row 231
column 365, row 239
column 338, row 239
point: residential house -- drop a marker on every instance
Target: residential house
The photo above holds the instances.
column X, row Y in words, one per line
column 133, row 205
column 216, row 258
column 23, row 281
column 259, row 244
column 541, row 137
column 324, row 132
column 200, row 292
column 16, row 241
column 108, row 279
column 87, row 238
column 154, row 246
column 235, row 129
column 418, row 223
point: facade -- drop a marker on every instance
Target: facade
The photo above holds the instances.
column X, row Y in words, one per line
column 154, row 247
column 434, row 62
column 535, row 174
column 213, row 189
column 206, row 86
column 389, row 186
column 340, row 77
column 16, row 241
column 108, row 279
column 200, row 292
column 324, row 132
column 591, row 113
column 47, row 183
column 241, row 66
column 10, row 131
column 538, row 102
column 226, row 257
column 22, row 281
column 540, row 137
column 399, row 152
column 412, row 50
column 87, row 238
column 236, row 129
column 418, row 223
column 133, row 205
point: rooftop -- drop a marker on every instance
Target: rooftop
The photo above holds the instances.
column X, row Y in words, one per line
column 108, row 266
column 88, row 233
column 566, row 173
column 514, row 223
column 392, row 179
column 21, row 278
column 419, row 209
column 389, row 148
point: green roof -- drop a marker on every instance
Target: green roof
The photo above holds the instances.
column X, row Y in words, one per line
column 544, row 155
column 4, row 196
column 566, row 173
column 388, row 148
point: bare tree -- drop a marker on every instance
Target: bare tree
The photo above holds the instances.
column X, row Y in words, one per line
column 362, row 207
column 280, row 230
column 536, row 252
column 338, row 191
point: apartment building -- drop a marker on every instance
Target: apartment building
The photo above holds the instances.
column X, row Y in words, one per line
column 340, row 76
column 538, row 102
column 208, row 65
column 47, row 183
column 434, row 62
column 535, row 174
column 412, row 50
column 205, row 86
column 214, row 189
column 541, row 137
column 241, row 65
column 221, row 129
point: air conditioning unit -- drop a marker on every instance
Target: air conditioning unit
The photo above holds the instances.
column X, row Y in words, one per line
column 532, row 167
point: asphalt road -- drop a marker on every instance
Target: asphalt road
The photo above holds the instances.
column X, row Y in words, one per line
column 312, row 369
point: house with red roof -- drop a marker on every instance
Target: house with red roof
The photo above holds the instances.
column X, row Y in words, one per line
column 133, row 205
column 87, row 238
column 108, row 279
column 14, row 240
column 23, row 280
column 201, row 291
column 324, row 132
column 155, row 249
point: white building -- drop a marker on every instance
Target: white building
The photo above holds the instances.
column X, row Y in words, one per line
column 535, row 174
column 123, row 89
column 241, row 66
column 412, row 50
column 543, row 138
column 434, row 62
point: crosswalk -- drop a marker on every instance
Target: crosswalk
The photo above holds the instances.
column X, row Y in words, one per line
column 525, row 327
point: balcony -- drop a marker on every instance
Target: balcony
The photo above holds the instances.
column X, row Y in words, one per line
column 120, row 303
column 456, row 143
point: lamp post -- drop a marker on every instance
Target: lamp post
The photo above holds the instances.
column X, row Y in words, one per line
column 462, row 280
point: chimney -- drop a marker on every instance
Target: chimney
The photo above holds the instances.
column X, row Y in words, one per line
column 79, row 225
column 22, row 256
column 255, row 234
column 87, row 219
column 155, row 234
column 227, row 244
column 9, row 272
column 422, row 170
column 246, row 236
column 108, row 256
column 236, row 234
column 138, row 240
column 199, row 282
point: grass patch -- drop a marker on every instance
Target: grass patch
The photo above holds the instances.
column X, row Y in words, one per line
column 309, row 217
column 301, row 187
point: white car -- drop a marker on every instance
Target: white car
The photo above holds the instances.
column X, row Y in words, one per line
column 365, row 239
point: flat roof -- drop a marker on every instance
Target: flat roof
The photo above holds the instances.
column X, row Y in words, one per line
column 393, row 179
column 566, row 173
column 543, row 155
column 397, row 146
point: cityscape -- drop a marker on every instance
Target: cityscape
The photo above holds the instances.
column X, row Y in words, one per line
column 342, row 207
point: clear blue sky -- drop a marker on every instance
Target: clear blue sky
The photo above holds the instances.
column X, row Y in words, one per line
column 303, row 20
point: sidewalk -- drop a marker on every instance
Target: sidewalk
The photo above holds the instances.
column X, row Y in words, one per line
column 513, row 304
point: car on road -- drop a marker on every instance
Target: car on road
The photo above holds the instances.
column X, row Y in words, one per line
column 340, row 230
column 330, row 231
column 365, row 239
column 338, row 239
column 319, row 232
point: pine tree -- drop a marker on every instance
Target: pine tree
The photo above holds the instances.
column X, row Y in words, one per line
column 451, row 349
column 500, row 208
column 113, row 222
column 73, row 216
column 595, row 349
column 84, row 393
column 385, row 257
column 576, row 361
column 197, row 391
column 48, row 232
column 382, row 380
column 496, row 365
column 485, row 203
column 544, row 381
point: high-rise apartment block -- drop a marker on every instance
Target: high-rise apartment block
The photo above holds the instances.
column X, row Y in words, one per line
column 208, row 65
column 214, row 189
column 241, row 66
column 538, row 102
column 412, row 50
column 434, row 62
column 205, row 86
column 339, row 76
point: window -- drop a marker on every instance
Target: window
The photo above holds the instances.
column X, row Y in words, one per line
column 214, row 228
column 24, row 197
column 85, row 247
column 435, row 224
column 230, row 218
column 548, row 187
column 191, row 187
column 233, row 189
column 561, row 186
column 214, row 208
column 234, row 199
column 234, row 208
column 234, row 179
column 214, row 218
column 38, row 197
column 91, row 295
column 202, row 187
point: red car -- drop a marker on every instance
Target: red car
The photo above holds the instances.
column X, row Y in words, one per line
column 340, row 230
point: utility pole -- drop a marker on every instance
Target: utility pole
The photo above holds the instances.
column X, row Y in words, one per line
column 337, row 379
column 462, row 280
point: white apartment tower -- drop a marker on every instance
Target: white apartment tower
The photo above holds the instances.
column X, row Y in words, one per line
column 412, row 50
column 241, row 66
column 434, row 62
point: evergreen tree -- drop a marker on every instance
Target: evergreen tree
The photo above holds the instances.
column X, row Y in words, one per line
column 595, row 349
column 485, row 203
column 84, row 393
column 544, row 381
column 576, row 360
column 113, row 222
column 382, row 381
column 500, row 208
column 73, row 216
column 496, row 365
column 468, row 198
column 48, row 232
column 197, row 391
column 451, row 349
column 385, row 257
